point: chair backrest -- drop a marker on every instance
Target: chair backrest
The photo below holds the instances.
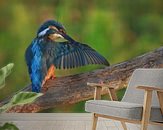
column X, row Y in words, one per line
column 143, row 77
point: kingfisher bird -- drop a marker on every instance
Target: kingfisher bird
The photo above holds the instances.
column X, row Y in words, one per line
column 54, row 49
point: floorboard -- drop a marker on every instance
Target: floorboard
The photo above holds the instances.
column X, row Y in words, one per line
column 57, row 121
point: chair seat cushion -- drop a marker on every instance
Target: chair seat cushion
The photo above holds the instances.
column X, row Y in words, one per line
column 125, row 110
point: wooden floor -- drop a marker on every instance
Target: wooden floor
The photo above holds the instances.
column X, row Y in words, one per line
column 58, row 121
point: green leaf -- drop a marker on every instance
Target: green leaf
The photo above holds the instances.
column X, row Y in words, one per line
column 20, row 99
column 8, row 126
column 4, row 72
column 24, row 98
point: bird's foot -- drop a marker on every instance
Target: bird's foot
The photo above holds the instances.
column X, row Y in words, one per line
column 53, row 77
column 45, row 87
column 50, row 75
column 48, row 78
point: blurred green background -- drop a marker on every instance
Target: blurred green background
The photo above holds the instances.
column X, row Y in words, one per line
column 118, row 29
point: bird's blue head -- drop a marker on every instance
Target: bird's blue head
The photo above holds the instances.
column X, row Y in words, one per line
column 49, row 24
column 54, row 31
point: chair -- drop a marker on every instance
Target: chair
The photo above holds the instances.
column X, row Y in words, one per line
column 137, row 106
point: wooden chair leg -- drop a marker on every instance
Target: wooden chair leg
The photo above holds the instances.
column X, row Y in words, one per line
column 94, row 123
column 112, row 94
column 146, row 109
column 124, row 125
column 160, row 98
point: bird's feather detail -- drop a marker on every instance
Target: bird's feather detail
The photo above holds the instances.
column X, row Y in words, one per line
column 36, row 63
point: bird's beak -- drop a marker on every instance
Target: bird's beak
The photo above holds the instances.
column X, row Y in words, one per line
column 57, row 37
column 60, row 38
column 68, row 38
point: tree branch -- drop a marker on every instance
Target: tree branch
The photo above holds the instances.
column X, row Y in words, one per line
column 72, row 89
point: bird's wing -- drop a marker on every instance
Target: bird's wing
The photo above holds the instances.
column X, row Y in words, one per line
column 67, row 55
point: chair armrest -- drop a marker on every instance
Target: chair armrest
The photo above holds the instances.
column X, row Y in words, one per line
column 147, row 88
column 148, row 91
column 98, row 87
column 148, row 101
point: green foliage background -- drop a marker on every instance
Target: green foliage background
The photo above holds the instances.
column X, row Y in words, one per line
column 118, row 29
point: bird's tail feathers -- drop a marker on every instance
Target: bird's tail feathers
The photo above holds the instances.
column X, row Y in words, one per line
column 36, row 88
